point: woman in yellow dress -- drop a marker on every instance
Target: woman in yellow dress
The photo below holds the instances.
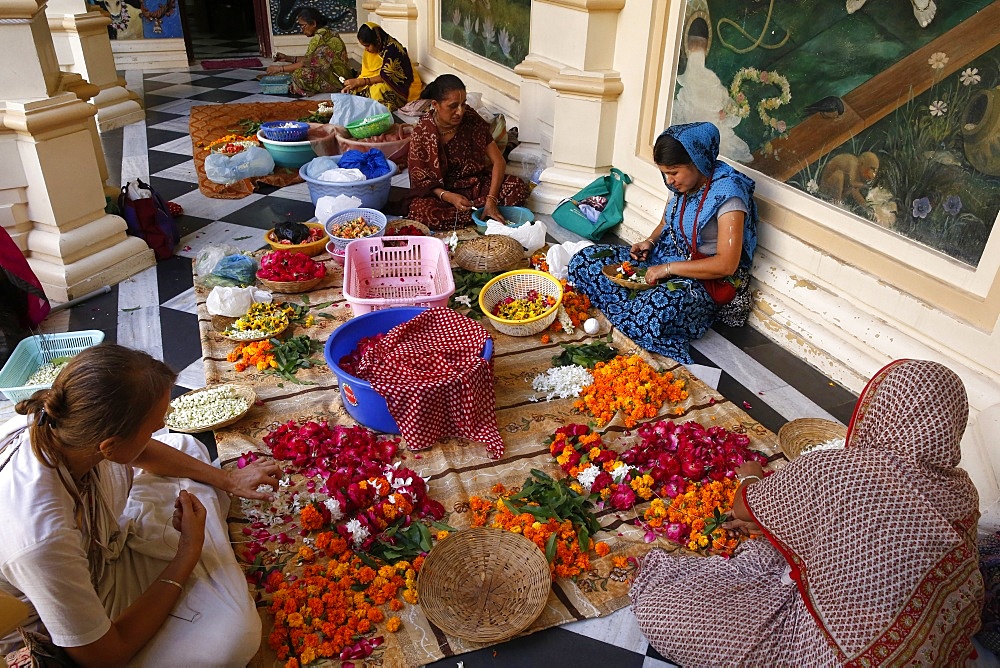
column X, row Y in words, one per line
column 387, row 75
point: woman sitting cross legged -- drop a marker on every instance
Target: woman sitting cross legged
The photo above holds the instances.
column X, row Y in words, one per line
column 324, row 67
column 455, row 166
column 122, row 565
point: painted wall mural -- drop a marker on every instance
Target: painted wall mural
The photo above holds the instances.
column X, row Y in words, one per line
column 888, row 109
column 341, row 14
column 495, row 29
column 142, row 19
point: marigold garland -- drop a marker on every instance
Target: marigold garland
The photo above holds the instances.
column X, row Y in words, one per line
column 630, row 385
column 576, row 304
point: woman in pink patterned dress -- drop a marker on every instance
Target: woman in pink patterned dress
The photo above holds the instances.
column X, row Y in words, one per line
column 455, row 166
column 868, row 555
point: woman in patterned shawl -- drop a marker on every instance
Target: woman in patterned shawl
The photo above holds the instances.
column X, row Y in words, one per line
column 324, row 66
column 455, row 166
column 712, row 203
column 387, row 75
column 869, row 555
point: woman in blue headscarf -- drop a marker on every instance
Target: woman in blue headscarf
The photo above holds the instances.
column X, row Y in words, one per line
column 706, row 238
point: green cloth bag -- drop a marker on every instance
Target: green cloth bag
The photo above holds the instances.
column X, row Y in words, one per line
column 612, row 186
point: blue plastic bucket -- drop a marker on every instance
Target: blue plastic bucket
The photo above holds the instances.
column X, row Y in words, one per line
column 373, row 193
column 360, row 399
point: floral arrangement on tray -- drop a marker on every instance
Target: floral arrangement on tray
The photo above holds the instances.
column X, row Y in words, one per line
column 356, row 228
column 261, row 321
column 231, row 144
column 628, row 384
column 523, row 308
column 287, row 266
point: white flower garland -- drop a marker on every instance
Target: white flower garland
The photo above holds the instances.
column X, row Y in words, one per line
column 562, row 382
column 740, row 105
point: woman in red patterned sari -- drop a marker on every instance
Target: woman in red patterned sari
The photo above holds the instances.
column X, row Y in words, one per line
column 869, row 557
column 455, row 166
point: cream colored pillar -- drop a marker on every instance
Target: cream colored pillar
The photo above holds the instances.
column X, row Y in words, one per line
column 51, row 195
column 569, row 71
column 399, row 19
column 80, row 37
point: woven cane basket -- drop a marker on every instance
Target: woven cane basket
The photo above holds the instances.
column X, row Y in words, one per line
column 517, row 284
column 484, row 584
column 804, row 433
column 290, row 287
column 490, row 253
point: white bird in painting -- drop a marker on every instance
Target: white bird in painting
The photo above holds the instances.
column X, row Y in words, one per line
column 923, row 10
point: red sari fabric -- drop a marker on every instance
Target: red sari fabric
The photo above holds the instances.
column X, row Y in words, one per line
column 880, row 536
column 459, row 165
column 869, row 557
column 19, row 274
column 435, row 381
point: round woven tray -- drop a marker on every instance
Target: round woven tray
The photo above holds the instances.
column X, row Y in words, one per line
column 290, row 287
column 484, row 584
column 611, row 273
column 803, row 433
column 242, row 391
column 259, row 338
column 490, row 253
column 392, row 227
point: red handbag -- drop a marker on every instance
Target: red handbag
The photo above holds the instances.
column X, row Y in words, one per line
column 721, row 290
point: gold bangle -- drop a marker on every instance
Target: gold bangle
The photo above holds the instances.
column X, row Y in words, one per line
column 441, row 194
column 172, row 582
column 669, row 273
column 493, row 198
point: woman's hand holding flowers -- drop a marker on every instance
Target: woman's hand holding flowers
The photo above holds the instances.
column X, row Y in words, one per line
column 657, row 273
column 243, row 482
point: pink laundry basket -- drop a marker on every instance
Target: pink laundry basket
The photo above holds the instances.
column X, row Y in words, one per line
column 382, row 272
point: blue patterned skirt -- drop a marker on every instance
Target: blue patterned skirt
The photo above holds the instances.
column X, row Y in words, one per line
column 661, row 320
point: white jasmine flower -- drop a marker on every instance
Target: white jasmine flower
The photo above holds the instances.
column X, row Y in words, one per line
column 195, row 410
column 618, row 474
column 562, row 382
column 333, row 505
column 358, row 531
column 587, row 476
column 464, row 300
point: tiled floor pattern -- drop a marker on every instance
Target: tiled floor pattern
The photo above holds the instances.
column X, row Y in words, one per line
column 155, row 311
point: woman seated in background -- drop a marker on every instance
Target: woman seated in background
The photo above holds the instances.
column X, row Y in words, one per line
column 713, row 212
column 387, row 75
column 324, row 67
column 455, row 166
column 119, row 565
column 868, row 555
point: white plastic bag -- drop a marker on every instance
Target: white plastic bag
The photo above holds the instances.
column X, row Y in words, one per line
column 531, row 236
column 558, row 256
column 347, row 108
column 226, row 169
column 234, row 302
column 328, row 205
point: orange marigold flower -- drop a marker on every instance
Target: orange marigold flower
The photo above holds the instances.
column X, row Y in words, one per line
column 393, row 624
column 395, row 605
column 602, row 549
column 310, row 518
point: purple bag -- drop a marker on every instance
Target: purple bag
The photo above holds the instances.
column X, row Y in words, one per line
column 149, row 219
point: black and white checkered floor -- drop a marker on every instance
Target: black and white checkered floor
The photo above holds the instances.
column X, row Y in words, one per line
column 155, row 311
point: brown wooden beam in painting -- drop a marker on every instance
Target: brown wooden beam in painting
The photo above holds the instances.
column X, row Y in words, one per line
column 881, row 95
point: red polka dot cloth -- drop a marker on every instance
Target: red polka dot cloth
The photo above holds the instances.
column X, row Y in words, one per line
column 435, row 381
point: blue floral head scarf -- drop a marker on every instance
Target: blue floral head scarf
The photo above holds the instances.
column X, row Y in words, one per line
column 701, row 141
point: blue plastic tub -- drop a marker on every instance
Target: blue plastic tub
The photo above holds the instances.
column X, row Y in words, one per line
column 373, row 193
column 515, row 215
column 290, row 154
column 362, row 402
